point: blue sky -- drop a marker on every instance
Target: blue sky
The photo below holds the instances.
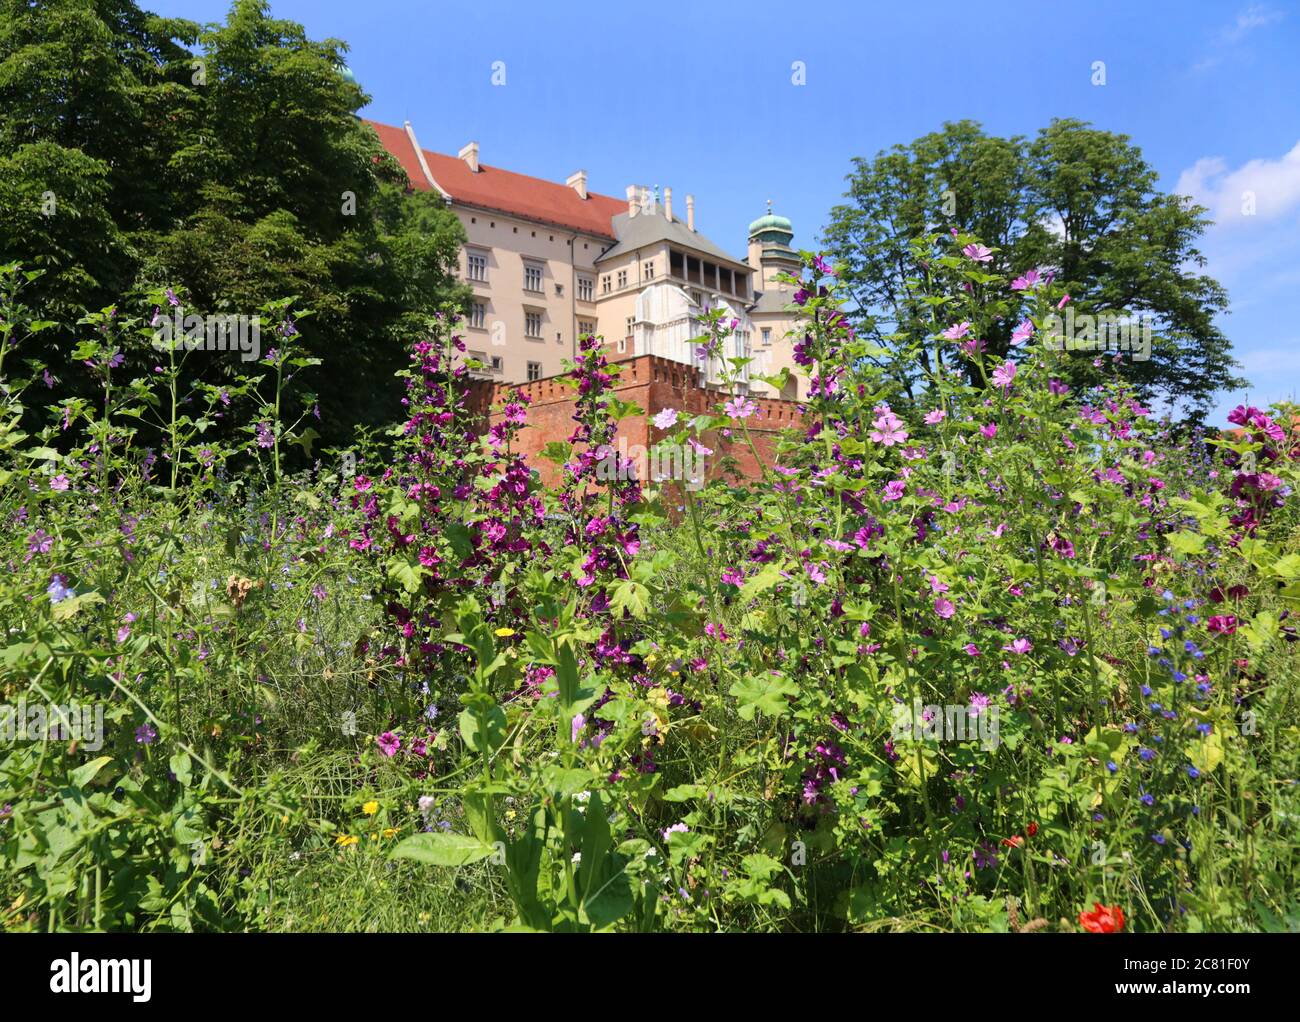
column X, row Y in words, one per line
column 699, row 97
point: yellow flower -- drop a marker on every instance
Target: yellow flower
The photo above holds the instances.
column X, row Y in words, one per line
column 388, row 831
column 345, row 840
column 505, row 633
column 370, row 808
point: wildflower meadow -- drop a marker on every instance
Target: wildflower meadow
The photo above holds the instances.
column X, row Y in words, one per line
column 1009, row 653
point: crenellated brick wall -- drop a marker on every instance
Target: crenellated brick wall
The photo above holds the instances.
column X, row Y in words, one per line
column 653, row 384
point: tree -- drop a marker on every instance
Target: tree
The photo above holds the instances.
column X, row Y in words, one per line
column 224, row 161
column 1076, row 201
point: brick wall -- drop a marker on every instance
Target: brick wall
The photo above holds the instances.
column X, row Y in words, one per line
column 653, row 384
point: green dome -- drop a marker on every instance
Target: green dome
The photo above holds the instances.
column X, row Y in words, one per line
column 346, row 72
column 771, row 222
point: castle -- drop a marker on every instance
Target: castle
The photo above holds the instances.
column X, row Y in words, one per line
column 548, row 262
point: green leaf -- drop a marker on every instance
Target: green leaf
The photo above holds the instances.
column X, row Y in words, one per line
column 85, row 773
column 632, row 597
column 439, row 849
column 767, row 694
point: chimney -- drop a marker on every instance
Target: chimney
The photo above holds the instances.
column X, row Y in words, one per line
column 668, row 204
column 690, row 212
column 633, row 193
column 578, row 182
column 469, row 153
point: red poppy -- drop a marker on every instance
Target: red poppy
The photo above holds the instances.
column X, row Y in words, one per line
column 1015, row 841
column 1032, row 829
column 1102, row 918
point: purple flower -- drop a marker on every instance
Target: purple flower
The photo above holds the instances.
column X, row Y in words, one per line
column 978, row 253
column 388, row 743
column 58, row 589
column 666, row 419
column 145, row 735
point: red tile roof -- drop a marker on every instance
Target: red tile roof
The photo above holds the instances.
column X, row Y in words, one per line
column 503, row 190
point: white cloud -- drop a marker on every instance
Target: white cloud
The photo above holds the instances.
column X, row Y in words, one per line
column 1272, row 187
column 1253, row 17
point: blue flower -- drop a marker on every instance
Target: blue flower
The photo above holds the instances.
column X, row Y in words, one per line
column 1204, row 729
column 1193, row 773
column 1158, row 838
column 1147, row 799
column 1146, row 755
column 1110, row 765
column 58, row 589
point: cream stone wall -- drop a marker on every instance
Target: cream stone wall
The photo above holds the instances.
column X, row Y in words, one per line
column 511, row 244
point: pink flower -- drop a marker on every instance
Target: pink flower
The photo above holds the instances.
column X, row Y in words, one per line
column 740, row 408
column 666, row 419
column 1062, row 303
column 989, row 430
column 388, row 743
column 943, row 607
column 1004, row 374
column 956, row 332
column 978, row 253
column 971, row 649
column 935, row 417
column 889, row 428
column 1021, row 646
column 894, row 489
column 1023, row 332
column 937, row 585
column 1026, row 282
column 59, row 482
column 698, row 448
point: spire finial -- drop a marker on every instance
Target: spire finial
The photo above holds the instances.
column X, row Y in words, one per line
column 769, row 207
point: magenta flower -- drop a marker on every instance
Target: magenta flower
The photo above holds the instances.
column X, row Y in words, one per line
column 978, row 253
column 989, row 430
column 935, row 417
column 894, row 489
column 59, row 482
column 579, row 721
column 1004, row 374
column 943, row 607
column 971, row 649
column 956, row 332
column 388, row 743
column 1020, row 646
column 1023, row 332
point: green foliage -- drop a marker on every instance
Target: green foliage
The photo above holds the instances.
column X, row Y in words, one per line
column 252, row 180
column 1074, row 198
